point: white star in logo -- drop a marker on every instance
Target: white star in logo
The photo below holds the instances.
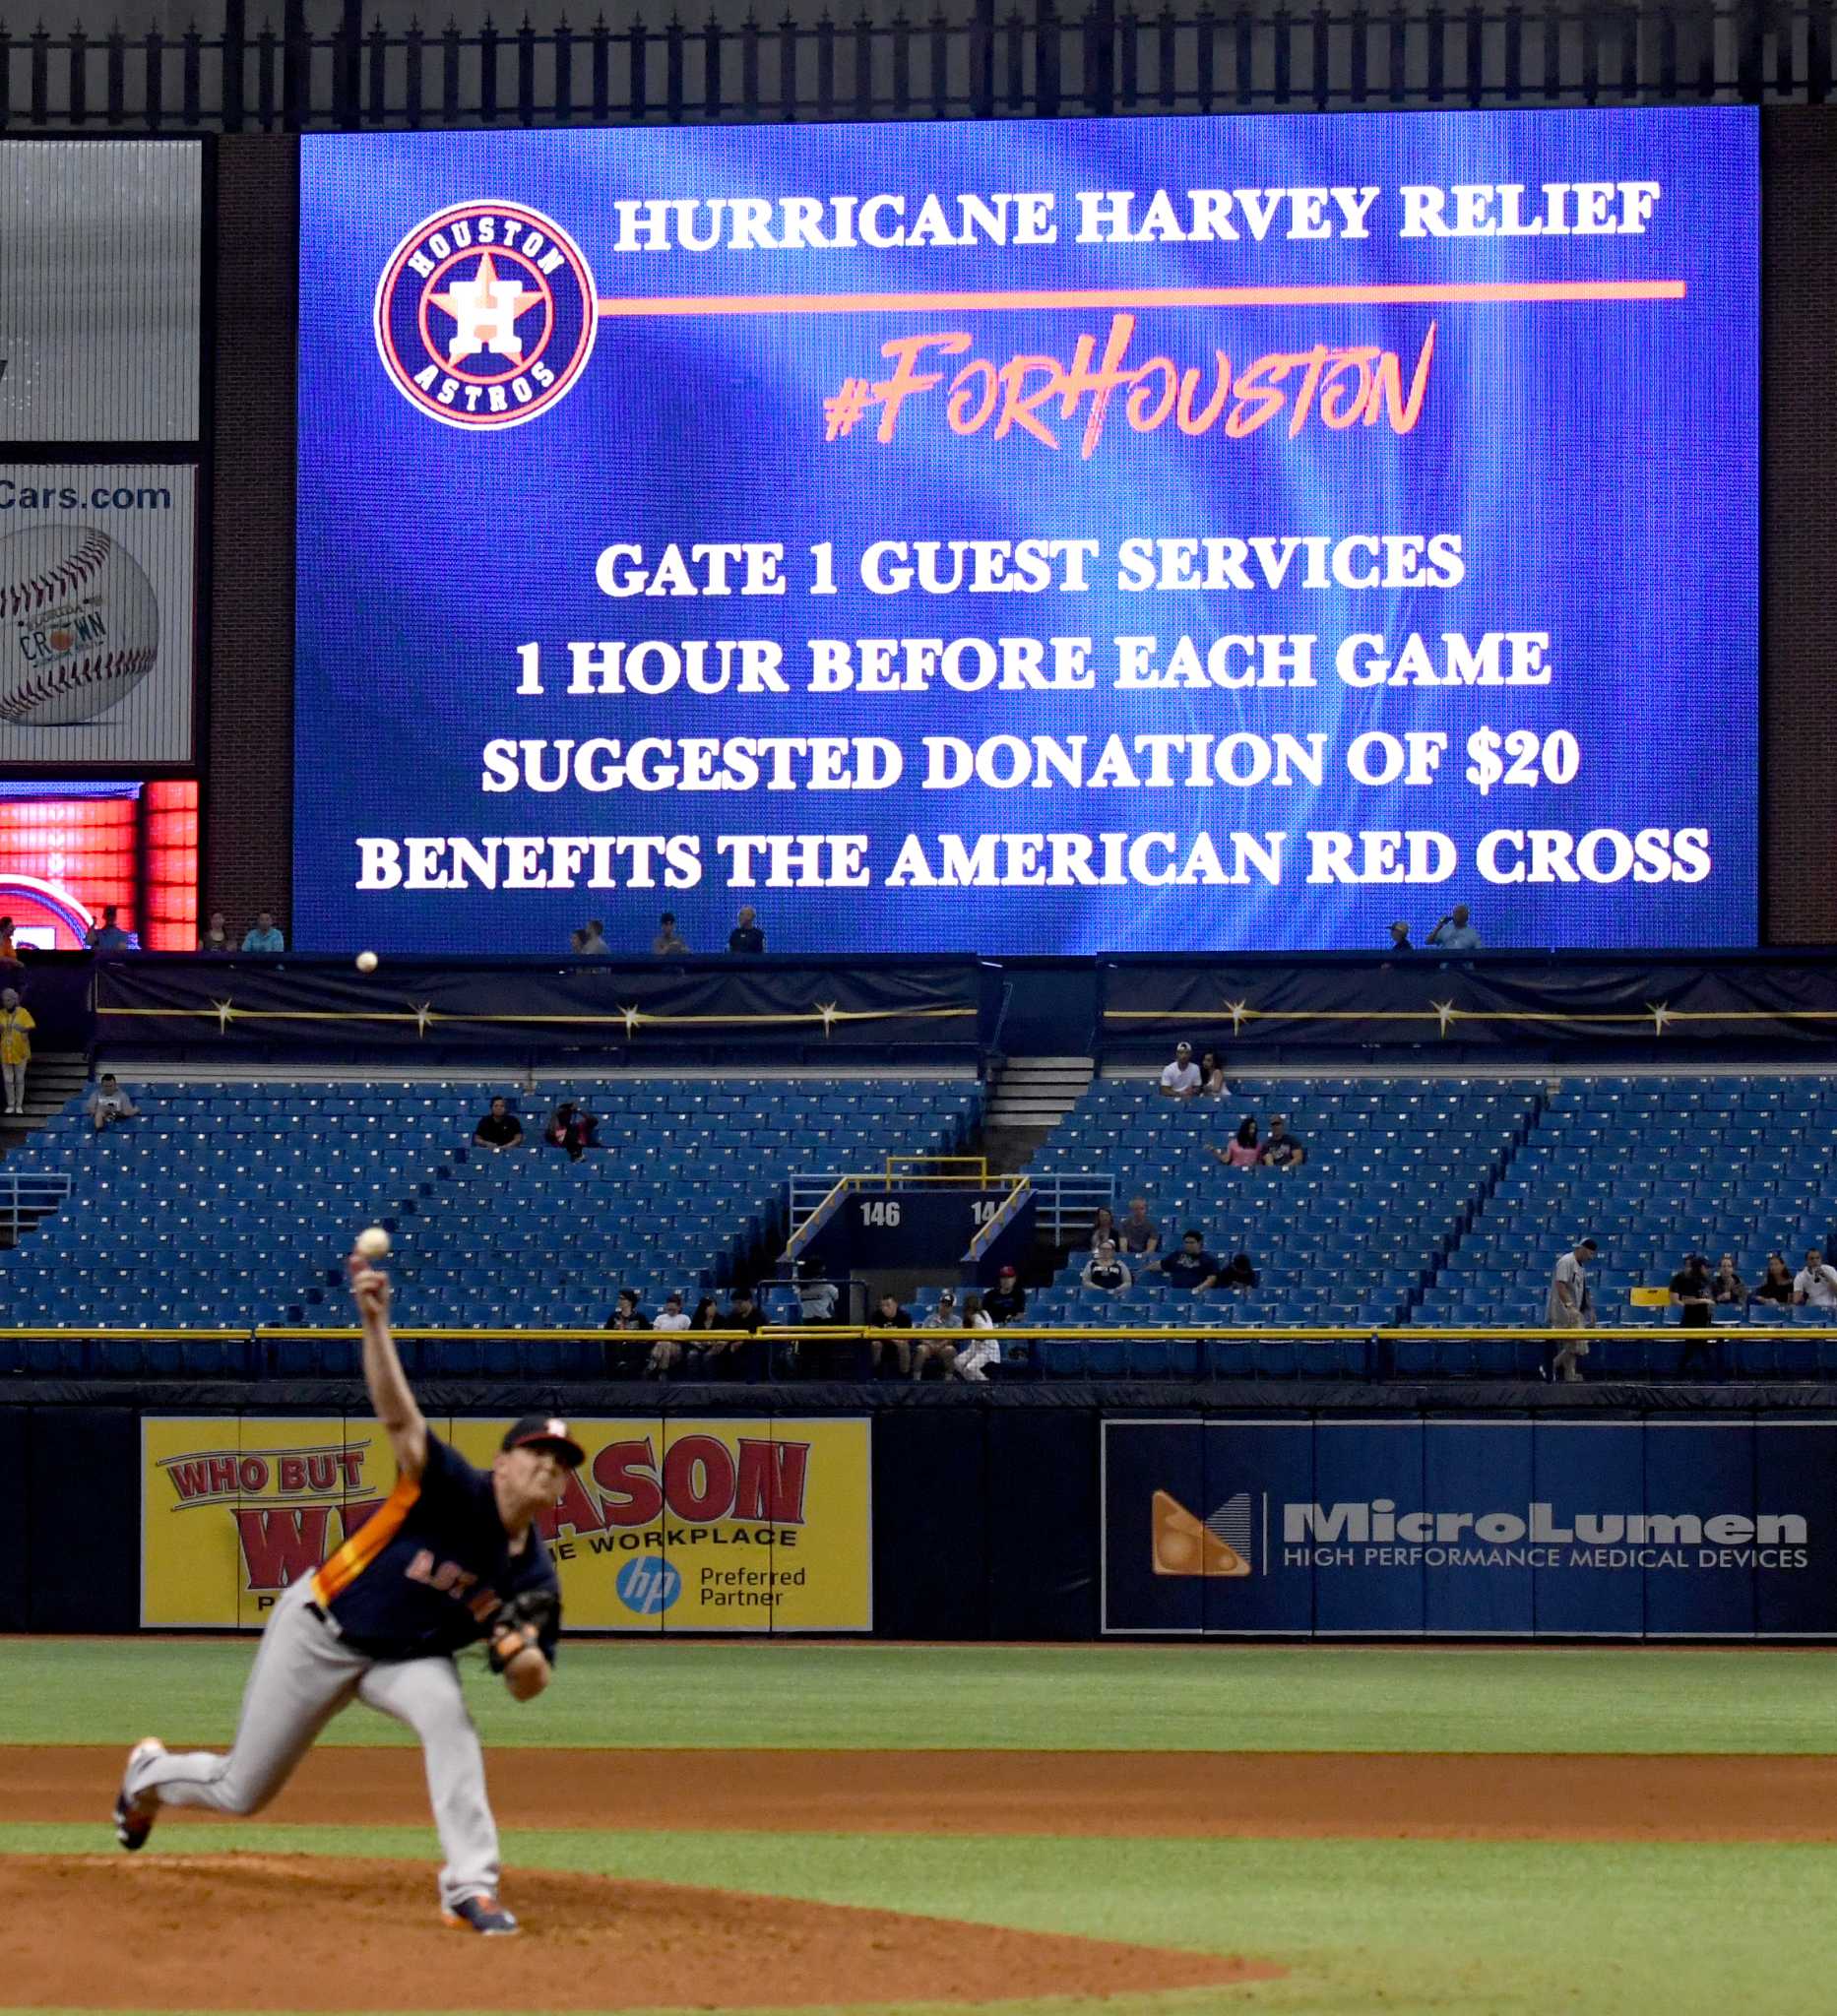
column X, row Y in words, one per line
column 632, row 1018
column 423, row 1015
column 225, row 1015
column 1445, row 1012
column 1239, row 1011
column 1661, row 1014
column 828, row 1011
column 486, row 310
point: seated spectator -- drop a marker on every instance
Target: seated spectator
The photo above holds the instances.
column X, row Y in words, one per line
column 1240, row 1273
column 936, row 1357
column 1103, row 1226
column 216, row 935
column 816, row 1296
column 891, row 1352
column 1777, row 1283
column 109, row 936
column 500, row 1130
column 1283, row 1150
column 1814, row 1286
column 571, row 1128
column 736, row 1357
column 591, row 942
column 983, row 1350
column 264, row 935
column 672, row 1348
column 1006, row 1301
column 1139, row 1233
column 1106, row 1273
column 1181, row 1078
column 109, row 1104
column 1192, row 1270
column 668, row 944
column 1400, row 937
column 1212, row 1076
column 1245, row 1151
column 746, row 936
column 16, row 1027
column 627, row 1360
column 1726, row 1288
column 9, row 951
column 1455, row 933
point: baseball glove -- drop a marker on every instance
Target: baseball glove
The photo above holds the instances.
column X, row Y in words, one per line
column 520, row 1624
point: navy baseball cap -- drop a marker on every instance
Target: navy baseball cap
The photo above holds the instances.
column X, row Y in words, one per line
column 535, row 1429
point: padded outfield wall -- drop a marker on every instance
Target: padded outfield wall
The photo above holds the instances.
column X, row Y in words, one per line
column 1059, row 1513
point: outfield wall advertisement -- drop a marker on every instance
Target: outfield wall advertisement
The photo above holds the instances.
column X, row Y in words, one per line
column 1180, row 534
column 1394, row 1526
column 698, row 1524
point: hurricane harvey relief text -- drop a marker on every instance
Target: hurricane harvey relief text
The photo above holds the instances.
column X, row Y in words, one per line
column 1103, row 800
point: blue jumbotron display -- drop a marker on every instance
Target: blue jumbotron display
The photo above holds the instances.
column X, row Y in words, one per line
column 1057, row 537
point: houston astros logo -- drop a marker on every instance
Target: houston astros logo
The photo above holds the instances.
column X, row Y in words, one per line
column 485, row 314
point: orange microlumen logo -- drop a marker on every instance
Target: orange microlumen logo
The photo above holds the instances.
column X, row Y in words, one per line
column 1182, row 1546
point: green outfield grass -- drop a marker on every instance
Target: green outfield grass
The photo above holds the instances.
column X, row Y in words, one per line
column 1176, row 1697
column 1411, row 1927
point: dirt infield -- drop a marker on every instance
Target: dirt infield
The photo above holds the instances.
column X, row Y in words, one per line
column 366, row 1935
column 1140, row 1793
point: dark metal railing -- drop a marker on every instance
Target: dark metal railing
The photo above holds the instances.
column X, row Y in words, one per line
column 988, row 63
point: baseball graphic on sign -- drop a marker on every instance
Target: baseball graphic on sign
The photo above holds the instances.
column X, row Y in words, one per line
column 81, row 625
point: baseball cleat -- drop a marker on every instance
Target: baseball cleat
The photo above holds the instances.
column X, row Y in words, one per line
column 482, row 1915
column 133, row 1823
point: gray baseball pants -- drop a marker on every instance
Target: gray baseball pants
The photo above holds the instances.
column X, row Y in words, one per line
column 304, row 1675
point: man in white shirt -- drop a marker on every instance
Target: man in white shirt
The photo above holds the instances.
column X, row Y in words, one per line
column 1815, row 1283
column 1180, row 1080
column 1571, row 1306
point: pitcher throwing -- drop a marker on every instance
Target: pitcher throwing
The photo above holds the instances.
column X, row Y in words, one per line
column 451, row 1556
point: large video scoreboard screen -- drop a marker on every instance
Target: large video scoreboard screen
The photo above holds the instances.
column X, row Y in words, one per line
column 1051, row 536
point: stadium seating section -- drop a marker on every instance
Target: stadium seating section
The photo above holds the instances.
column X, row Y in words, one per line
column 1435, row 1201
column 224, row 1205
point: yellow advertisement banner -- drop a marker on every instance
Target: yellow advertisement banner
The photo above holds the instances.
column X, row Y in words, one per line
column 687, row 1525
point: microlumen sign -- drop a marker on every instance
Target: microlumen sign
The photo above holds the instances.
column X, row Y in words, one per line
column 1378, row 1521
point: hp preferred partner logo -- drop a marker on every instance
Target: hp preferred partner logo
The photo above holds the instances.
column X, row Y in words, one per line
column 486, row 315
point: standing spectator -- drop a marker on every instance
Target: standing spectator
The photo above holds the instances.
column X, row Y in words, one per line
column 1692, row 1297
column 1776, row 1284
column 592, row 941
column 1006, row 1301
column 1283, row 1150
column 1246, row 1152
column 1814, row 1286
column 1139, row 1233
column 1726, row 1288
column 666, row 944
column 1400, row 937
column 1192, row 1270
column 1103, row 1226
column 16, row 1027
column 1571, row 1306
column 892, row 1351
column 1106, row 1273
column 9, row 951
column 1181, row 1078
column 216, row 935
column 109, row 1104
column 571, row 1128
column 109, row 936
column 1455, row 933
column 1212, row 1076
column 500, row 1130
column 746, row 936
column 262, row 936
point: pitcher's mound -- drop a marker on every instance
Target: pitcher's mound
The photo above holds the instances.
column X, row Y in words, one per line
column 248, row 1932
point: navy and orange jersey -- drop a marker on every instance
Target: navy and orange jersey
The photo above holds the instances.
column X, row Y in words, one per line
column 426, row 1573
